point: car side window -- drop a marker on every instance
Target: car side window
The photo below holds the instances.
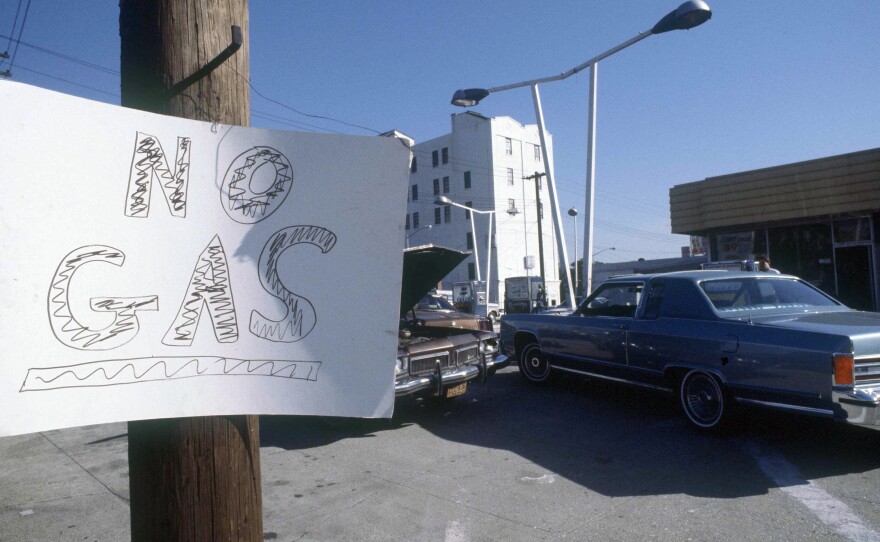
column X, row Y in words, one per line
column 654, row 301
column 613, row 300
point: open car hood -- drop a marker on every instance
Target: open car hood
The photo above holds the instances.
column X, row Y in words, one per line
column 423, row 267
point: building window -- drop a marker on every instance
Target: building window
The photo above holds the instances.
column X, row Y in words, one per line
column 537, row 153
column 413, row 167
column 467, row 179
column 435, row 159
column 472, row 275
column 415, row 223
column 447, row 214
column 467, row 212
column 508, row 146
column 407, row 221
column 511, row 206
column 445, row 185
column 436, row 215
column 415, row 192
column 436, row 187
column 510, row 176
column 445, row 155
column 469, row 241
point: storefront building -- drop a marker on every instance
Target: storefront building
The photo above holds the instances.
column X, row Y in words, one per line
column 819, row 220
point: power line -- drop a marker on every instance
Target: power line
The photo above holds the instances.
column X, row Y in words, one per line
column 20, row 31
column 69, row 82
column 63, row 56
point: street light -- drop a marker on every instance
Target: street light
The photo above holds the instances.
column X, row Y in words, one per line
column 688, row 15
column 574, row 214
column 443, row 200
column 417, row 230
column 604, row 250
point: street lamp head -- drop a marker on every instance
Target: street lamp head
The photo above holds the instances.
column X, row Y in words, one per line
column 688, row 15
column 572, row 212
column 442, row 200
column 468, row 97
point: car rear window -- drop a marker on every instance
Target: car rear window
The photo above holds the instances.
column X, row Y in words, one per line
column 750, row 293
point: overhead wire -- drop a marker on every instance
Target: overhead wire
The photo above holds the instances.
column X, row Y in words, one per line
column 455, row 165
column 20, row 31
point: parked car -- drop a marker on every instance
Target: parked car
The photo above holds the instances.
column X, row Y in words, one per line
column 436, row 311
column 439, row 351
column 714, row 339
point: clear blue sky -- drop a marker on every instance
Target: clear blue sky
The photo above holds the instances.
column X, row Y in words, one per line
column 760, row 84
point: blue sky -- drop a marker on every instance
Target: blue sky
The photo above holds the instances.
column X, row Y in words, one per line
column 760, row 84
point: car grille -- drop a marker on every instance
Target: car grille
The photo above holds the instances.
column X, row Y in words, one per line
column 867, row 370
column 428, row 364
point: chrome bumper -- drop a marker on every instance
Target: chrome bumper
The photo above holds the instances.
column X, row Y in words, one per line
column 861, row 406
column 436, row 382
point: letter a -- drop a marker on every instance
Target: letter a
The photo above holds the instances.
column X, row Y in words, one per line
column 209, row 286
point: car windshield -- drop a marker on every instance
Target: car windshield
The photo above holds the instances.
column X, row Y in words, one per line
column 434, row 303
column 754, row 293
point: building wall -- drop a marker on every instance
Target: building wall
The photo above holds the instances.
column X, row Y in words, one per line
column 848, row 183
column 478, row 145
column 819, row 220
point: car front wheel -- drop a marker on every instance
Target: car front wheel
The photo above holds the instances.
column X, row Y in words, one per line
column 533, row 364
column 702, row 399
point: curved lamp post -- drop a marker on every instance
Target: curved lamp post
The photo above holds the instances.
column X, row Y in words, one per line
column 688, row 15
column 604, row 250
column 443, row 200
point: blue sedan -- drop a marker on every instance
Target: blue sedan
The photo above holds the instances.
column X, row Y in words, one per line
column 713, row 338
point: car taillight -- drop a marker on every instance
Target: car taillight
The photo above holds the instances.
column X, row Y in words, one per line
column 485, row 325
column 843, row 370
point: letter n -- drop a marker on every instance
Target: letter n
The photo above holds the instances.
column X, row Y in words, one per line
column 148, row 164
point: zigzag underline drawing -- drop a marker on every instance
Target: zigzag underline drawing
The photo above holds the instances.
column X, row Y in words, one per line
column 116, row 372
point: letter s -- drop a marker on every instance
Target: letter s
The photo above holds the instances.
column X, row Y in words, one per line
column 301, row 317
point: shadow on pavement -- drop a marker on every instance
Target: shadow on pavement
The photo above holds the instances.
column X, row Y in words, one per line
column 613, row 439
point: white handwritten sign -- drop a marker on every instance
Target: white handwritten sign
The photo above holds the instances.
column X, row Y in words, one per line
column 160, row 267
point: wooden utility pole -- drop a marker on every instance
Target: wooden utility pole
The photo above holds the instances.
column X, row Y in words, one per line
column 191, row 478
column 540, row 213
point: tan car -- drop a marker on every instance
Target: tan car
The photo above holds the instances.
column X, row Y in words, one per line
column 440, row 351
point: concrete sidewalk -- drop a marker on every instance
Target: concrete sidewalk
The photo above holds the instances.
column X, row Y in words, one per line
column 574, row 460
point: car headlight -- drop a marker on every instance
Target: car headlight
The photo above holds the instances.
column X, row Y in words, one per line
column 402, row 365
column 489, row 346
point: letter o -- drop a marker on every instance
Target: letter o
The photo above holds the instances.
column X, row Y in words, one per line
column 240, row 201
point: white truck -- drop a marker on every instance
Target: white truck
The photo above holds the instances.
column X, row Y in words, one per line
column 524, row 295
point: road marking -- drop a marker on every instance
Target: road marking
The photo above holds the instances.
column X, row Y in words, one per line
column 546, row 479
column 830, row 510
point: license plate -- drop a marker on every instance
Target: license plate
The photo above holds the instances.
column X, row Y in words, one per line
column 455, row 391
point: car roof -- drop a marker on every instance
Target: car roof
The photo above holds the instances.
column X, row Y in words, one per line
column 697, row 275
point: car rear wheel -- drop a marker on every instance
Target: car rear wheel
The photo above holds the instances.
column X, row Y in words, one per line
column 533, row 364
column 702, row 399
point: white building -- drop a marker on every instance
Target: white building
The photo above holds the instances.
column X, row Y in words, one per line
column 483, row 164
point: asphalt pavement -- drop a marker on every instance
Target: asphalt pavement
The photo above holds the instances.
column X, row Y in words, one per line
column 575, row 460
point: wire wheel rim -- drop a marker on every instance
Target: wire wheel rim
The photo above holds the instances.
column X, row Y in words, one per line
column 702, row 399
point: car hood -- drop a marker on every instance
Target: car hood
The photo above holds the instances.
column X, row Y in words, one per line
column 423, row 268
